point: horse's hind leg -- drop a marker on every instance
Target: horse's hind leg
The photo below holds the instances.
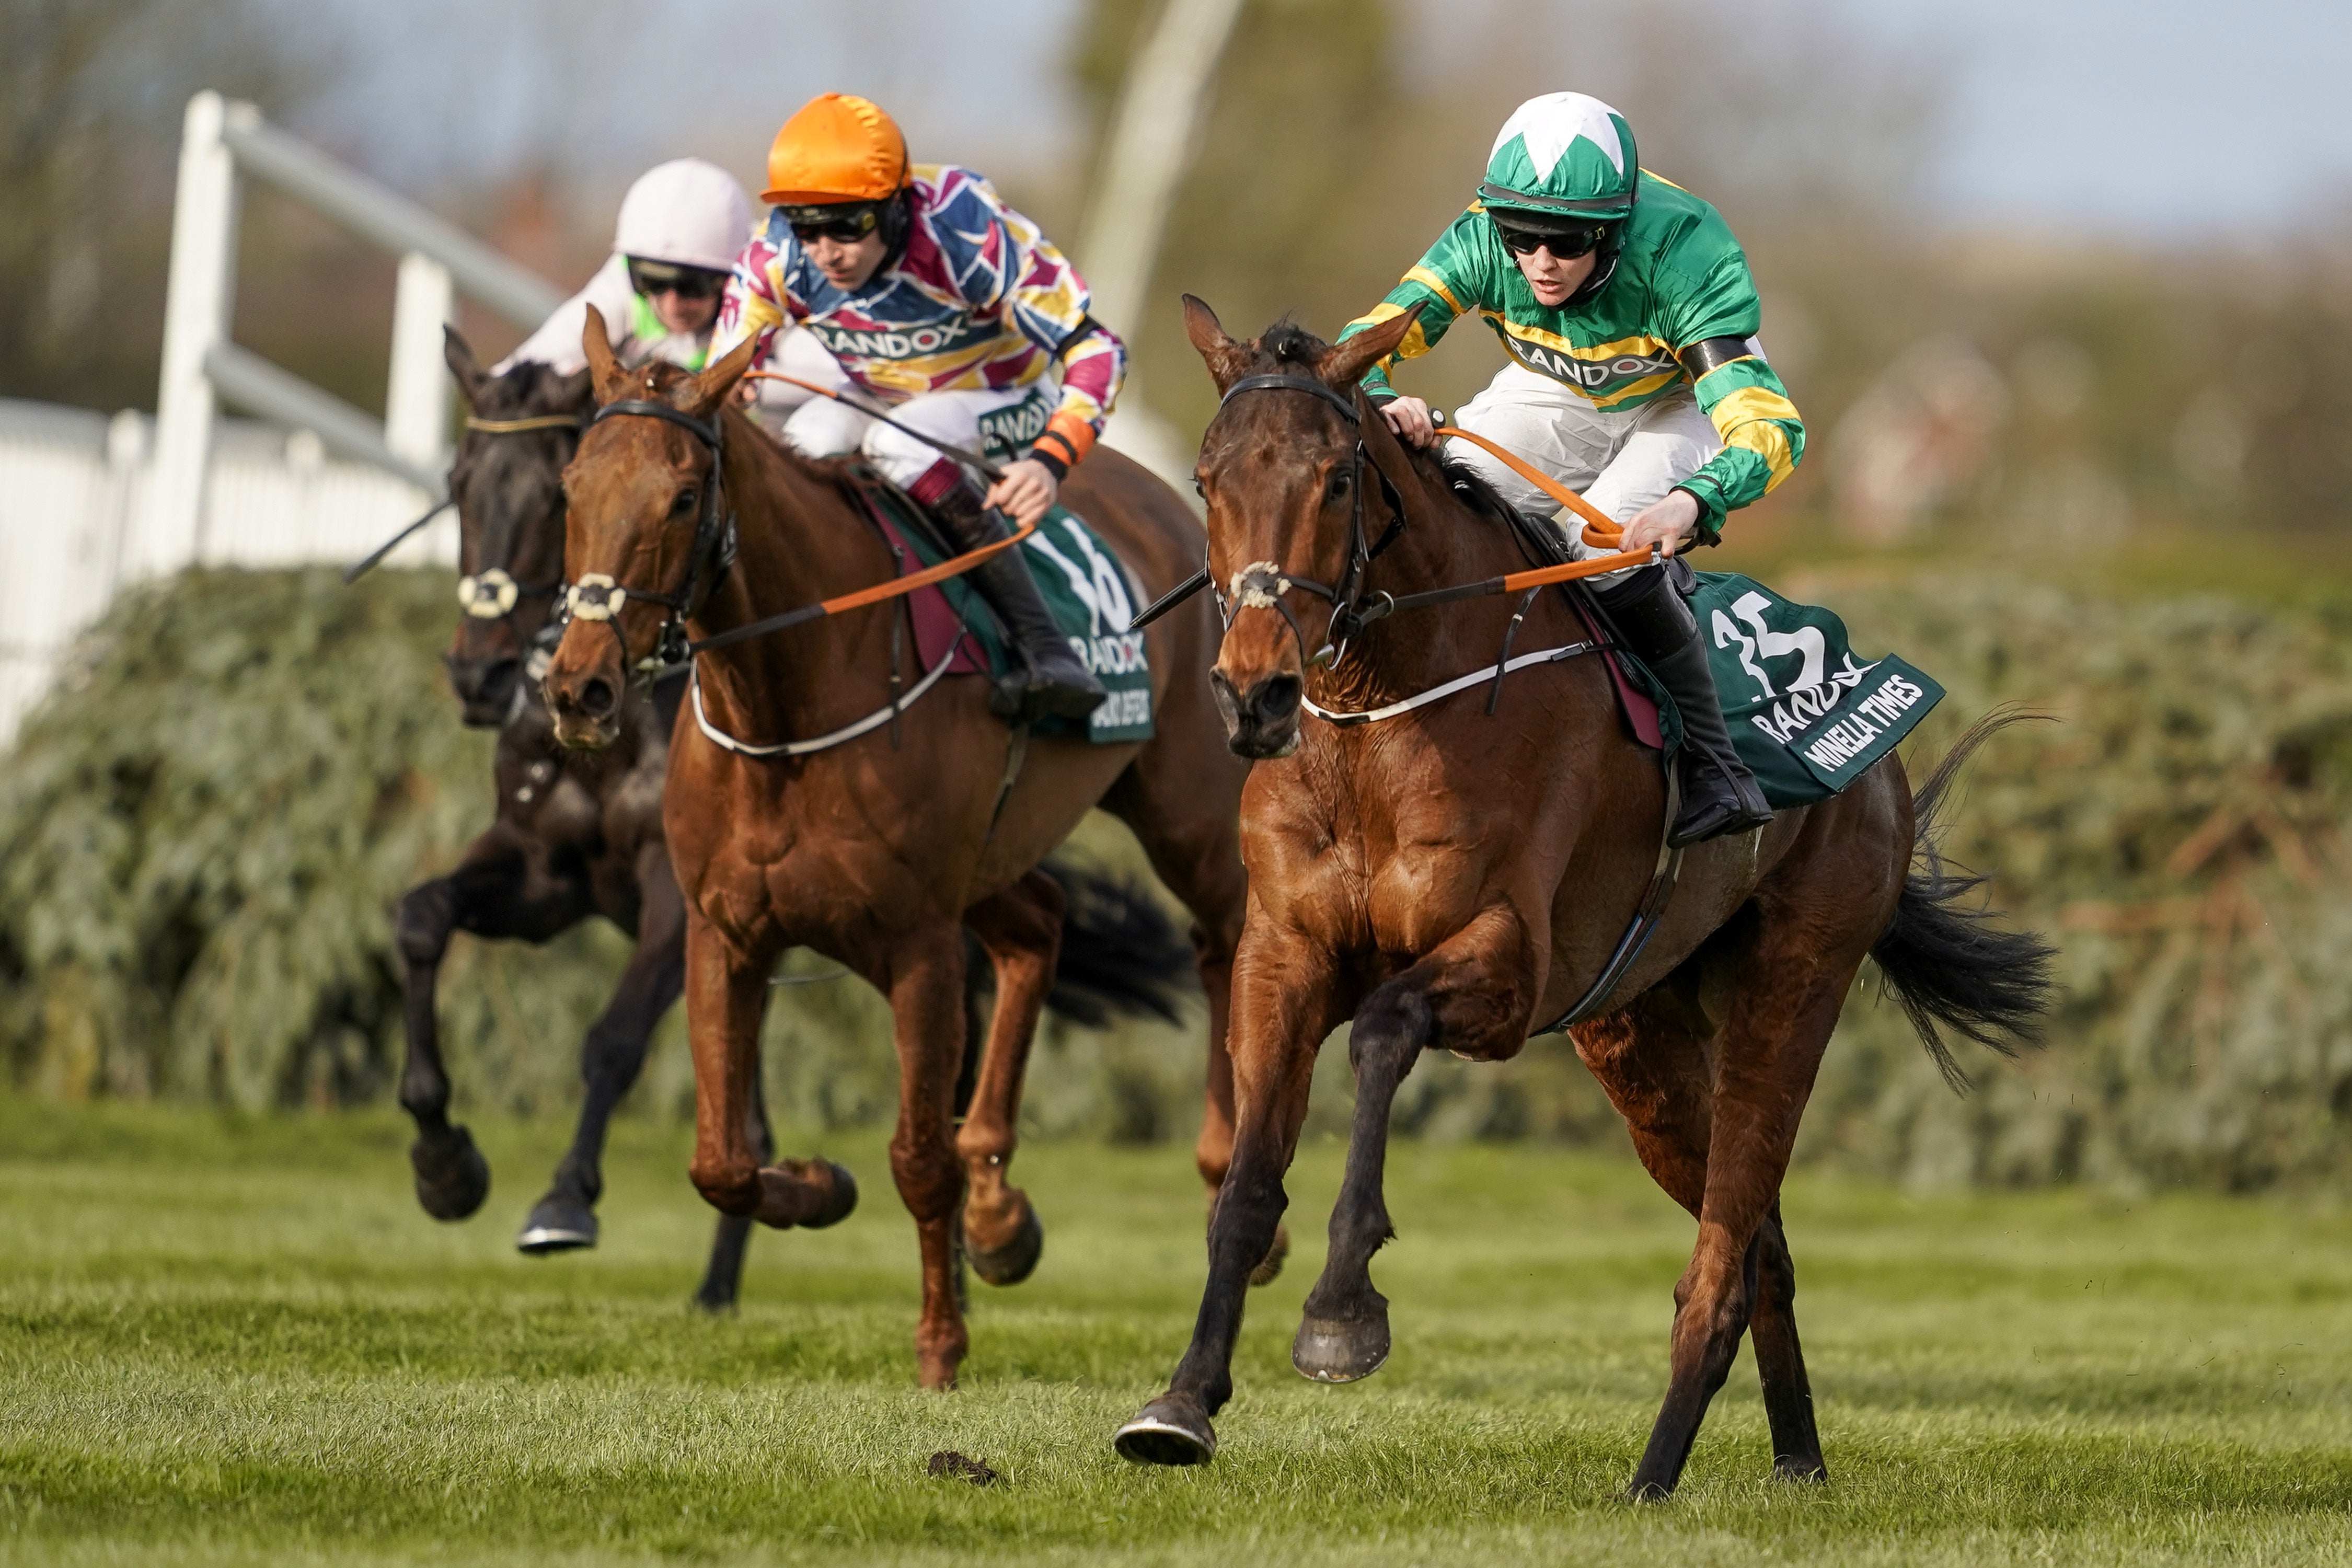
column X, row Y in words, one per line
column 1780, row 1359
column 1022, row 931
column 723, row 1280
column 612, row 1058
column 1655, row 1070
column 926, row 989
column 487, row 896
column 1770, row 1050
column 1462, row 994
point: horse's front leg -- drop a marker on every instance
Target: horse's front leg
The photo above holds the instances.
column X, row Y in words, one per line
column 1022, row 929
column 726, row 999
column 1284, row 1000
column 926, row 986
column 613, row 1057
column 1470, row 993
column 490, row 894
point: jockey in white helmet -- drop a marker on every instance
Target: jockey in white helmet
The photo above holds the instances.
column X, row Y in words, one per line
column 681, row 226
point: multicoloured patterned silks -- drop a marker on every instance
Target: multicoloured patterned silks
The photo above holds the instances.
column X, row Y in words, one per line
column 979, row 300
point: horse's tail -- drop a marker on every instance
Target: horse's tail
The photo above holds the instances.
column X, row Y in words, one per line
column 1122, row 956
column 1942, row 956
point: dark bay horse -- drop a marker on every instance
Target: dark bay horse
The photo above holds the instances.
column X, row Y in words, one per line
column 576, row 834
column 1453, row 880
column 877, row 851
column 579, row 832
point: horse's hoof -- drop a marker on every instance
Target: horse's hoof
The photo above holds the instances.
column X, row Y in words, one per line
column 452, row 1177
column 1331, row 1351
column 1790, row 1468
column 841, row 1200
column 1171, row 1431
column 1269, row 1267
column 560, row 1224
column 1016, row 1259
column 1649, row 1491
column 810, row 1194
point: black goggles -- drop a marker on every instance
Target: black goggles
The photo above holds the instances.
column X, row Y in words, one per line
column 847, row 224
column 652, row 278
column 1566, row 243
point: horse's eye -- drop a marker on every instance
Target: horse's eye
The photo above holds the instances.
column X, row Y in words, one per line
column 684, row 503
column 1339, row 485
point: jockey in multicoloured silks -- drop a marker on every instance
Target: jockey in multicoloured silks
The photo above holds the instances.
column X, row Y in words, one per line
column 921, row 290
column 1637, row 380
column 680, row 228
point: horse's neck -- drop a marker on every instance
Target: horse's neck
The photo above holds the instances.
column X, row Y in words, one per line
column 1443, row 543
column 799, row 541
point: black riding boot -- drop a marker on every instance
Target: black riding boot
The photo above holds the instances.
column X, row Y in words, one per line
column 1719, row 794
column 1056, row 685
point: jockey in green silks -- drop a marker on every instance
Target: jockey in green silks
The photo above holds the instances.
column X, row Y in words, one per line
column 1636, row 380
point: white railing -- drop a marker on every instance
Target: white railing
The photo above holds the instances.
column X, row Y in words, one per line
column 203, row 365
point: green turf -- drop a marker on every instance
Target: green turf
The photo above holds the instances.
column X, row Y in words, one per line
column 232, row 1341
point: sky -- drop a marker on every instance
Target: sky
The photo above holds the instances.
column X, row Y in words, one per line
column 2137, row 118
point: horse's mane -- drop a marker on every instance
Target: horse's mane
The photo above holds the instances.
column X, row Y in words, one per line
column 830, row 471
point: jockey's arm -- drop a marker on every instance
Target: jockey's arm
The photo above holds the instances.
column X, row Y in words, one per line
column 1741, row 393
column 1449, row 281
column 556, row 341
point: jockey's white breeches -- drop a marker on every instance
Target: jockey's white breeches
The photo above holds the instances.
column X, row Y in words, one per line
column 1619, row 462
column 818, row 426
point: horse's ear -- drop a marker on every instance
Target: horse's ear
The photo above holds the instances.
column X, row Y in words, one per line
column 705, row 393
column 1344, row 363
column 604, row 368
column 471, row 376
column 1226, row 358
column 1388, row 455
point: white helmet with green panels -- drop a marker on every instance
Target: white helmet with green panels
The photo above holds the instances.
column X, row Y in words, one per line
column 1565, row 156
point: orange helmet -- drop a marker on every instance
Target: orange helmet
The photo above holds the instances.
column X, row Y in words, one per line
column 837, row 149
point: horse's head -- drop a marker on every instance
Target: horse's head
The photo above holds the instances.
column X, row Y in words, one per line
column 645, row 529
column 1281, row 469
column 508, row 483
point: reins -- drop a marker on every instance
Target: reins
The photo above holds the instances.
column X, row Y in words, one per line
column 1262, row 584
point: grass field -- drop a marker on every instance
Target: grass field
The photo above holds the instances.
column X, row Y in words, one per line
column 241, row 1342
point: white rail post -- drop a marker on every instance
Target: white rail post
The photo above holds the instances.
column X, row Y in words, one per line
column 198, row 302
column 416, row 401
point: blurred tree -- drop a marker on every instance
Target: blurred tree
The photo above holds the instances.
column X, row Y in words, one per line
column 90, row 98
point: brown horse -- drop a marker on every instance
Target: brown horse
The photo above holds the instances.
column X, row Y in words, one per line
column 579, row 832
column 878, row 850
column 1451, row 879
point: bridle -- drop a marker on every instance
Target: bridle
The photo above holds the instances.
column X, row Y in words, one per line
column 598, row 597
column 1261, row 584
column 493, row 594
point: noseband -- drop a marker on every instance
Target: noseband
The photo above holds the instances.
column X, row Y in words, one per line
column 597, row 598
column 1261, row 584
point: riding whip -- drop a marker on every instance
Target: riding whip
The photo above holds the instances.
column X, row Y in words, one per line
column 386, row 548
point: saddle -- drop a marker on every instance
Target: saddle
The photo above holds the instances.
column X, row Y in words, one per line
column 1092, row 597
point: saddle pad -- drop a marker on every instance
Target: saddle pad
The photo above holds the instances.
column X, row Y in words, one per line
column 1086, row 587
column 1806, row 717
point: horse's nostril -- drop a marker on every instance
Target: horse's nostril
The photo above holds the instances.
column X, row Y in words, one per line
column 596, row 697
column 1277, row 698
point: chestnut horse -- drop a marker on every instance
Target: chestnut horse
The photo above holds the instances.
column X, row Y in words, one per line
column 1449, row 879
column 579, row 832
column 878, row 850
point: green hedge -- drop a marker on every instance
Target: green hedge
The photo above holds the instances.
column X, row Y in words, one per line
column 203, row 831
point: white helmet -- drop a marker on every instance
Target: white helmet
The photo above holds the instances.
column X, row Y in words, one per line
column 687, row 213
